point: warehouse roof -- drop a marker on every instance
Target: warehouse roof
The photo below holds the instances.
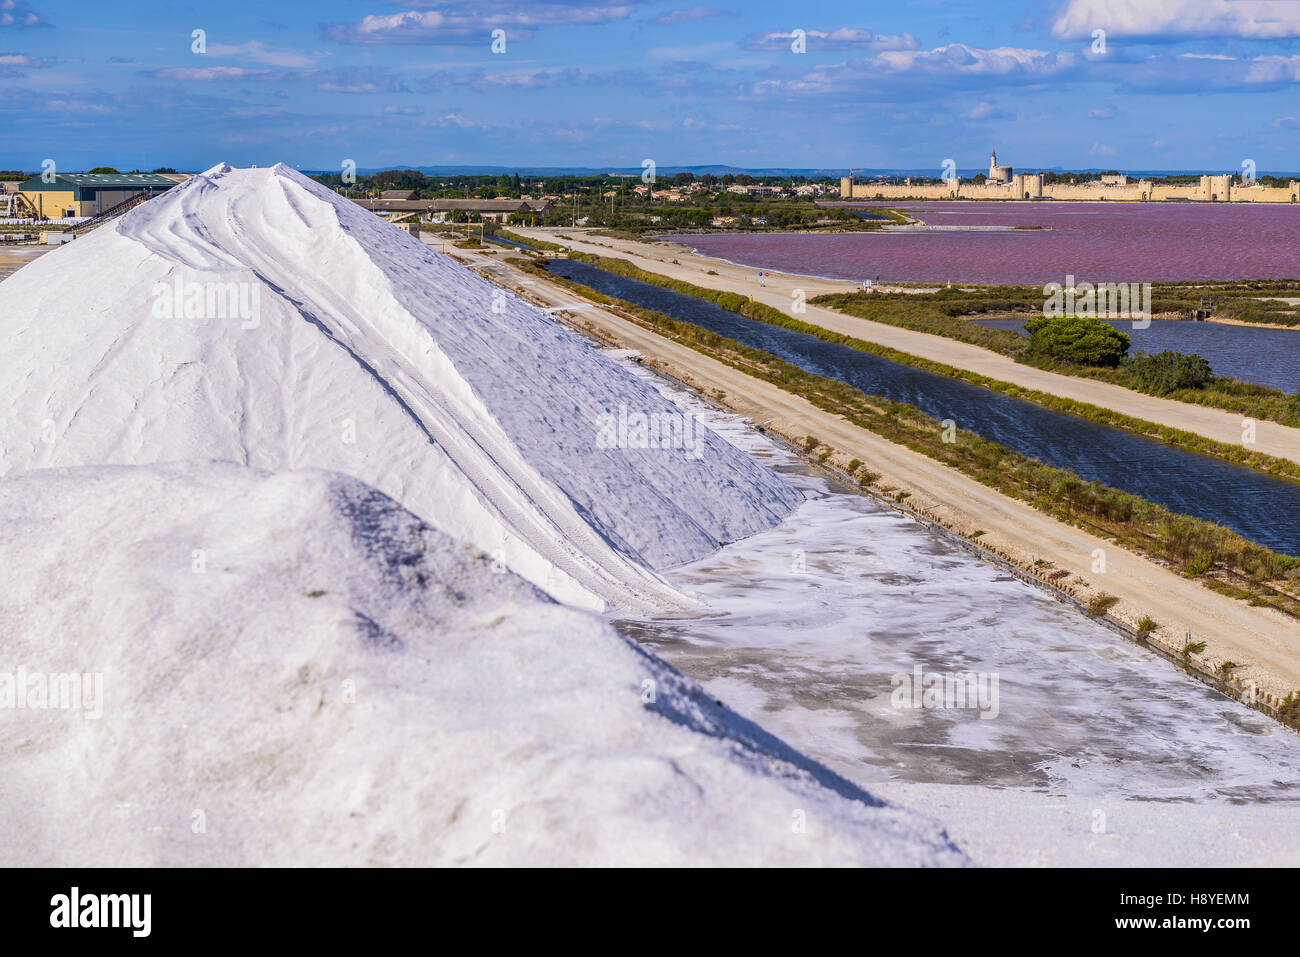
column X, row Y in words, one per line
column 101, row 180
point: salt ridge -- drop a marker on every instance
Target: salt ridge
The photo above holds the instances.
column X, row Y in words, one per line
column 469, row 406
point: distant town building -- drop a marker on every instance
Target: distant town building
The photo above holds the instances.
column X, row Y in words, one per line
column 753, row 189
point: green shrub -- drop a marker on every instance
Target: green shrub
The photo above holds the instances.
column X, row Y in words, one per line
column 1101, row 603
column 1078, row 339
column 1166, row 372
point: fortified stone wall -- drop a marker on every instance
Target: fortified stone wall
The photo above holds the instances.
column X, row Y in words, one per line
column 900, row 191
column 1128, row 193
column 1215, row 189
column 1267, row 194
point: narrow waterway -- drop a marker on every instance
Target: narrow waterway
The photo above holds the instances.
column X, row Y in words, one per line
column 1263, row 509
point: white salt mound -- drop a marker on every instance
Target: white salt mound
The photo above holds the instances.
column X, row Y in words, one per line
column 344, row 343
column 298, row 671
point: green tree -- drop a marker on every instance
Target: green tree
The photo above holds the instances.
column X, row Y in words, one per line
column 1078, row 339
column 399, row 179
column 103, row 169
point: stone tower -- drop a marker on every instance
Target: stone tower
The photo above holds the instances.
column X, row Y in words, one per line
column 998, row 174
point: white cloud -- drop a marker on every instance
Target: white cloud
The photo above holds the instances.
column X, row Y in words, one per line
column 14, row 14
column 690, row 13
column 20, row 59
column 1101, row 149
column 342, row 80
column 944, row 64
column 1274, row 69
column 260, row 53
column 474, row 26
column 844, row 38
column 1252, row 19
column 216, row 74
column 959, row 59
column 455, row 120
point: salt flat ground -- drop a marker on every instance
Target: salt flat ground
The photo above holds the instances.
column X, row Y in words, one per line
column 1099, row 753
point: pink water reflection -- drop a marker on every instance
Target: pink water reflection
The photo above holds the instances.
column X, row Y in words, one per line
column 1110, row 242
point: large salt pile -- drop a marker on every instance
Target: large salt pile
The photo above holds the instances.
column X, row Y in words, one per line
column 225, row 666
column 252, row 315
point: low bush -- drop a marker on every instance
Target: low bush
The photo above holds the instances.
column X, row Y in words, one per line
column 1166, row 372
column 1078, row 339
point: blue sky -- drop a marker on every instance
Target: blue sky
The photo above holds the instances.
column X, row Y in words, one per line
column 1179, row 83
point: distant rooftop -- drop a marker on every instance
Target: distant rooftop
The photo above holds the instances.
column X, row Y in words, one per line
column 103, row 180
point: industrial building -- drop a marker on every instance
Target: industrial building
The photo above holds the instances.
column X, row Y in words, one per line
column 66, row 195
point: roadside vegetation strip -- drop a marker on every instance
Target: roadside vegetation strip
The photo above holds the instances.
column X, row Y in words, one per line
column 1216, row 556
column 941, row 313
column 751, row 309
column 524, row 240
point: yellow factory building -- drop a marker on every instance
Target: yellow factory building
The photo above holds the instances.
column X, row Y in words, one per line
column 63, row 195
